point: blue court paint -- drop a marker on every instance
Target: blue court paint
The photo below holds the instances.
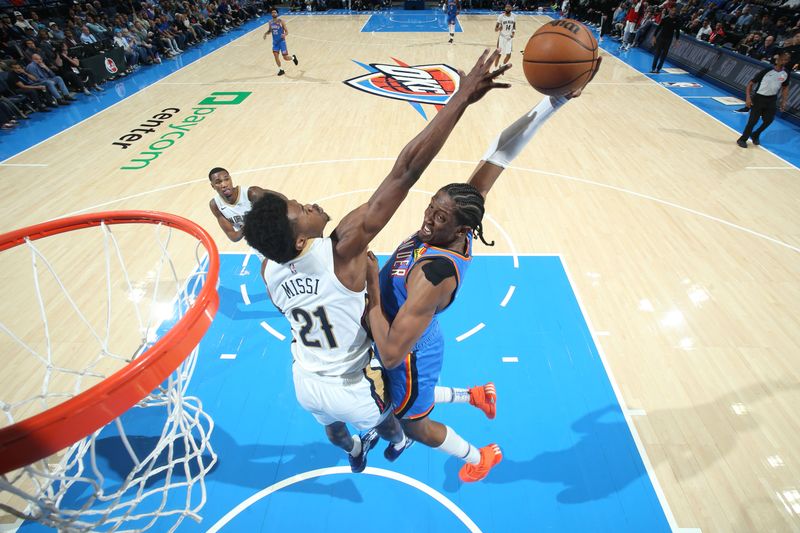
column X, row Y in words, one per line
column 422, row 21
column 570, row 461
column 42, row 126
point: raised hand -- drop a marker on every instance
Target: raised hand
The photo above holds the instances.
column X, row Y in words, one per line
column 576, row 93
column 481, row 79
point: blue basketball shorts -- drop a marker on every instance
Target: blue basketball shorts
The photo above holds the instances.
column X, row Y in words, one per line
column 279, row 46
column 412, row 383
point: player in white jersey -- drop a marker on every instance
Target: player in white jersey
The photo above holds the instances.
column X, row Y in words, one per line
column 507, row 26
column 319, row 284
column 231, row 204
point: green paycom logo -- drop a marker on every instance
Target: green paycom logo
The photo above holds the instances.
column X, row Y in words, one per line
column 176, row 131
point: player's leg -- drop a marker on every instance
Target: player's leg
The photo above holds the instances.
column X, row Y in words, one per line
column 755, row 115
column 376, row 409
column 497, row 59
column 507, row 58
column 767, row 116
column 478, row 461
column 276, row 55
column 286, row 56
column 413, row 385
column 483, row 397
column 451, row 24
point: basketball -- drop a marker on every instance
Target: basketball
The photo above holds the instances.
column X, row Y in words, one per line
column 560, row 57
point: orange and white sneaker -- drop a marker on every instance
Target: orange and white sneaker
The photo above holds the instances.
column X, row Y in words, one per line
column 490, row 456
column 485, row 399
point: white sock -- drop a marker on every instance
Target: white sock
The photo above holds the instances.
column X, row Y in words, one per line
column 458, row 447
column 450, row 395
column 356, row 451
column 399, row 445
column 507, row 146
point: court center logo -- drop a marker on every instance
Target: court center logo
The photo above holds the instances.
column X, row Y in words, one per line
column 415, row 84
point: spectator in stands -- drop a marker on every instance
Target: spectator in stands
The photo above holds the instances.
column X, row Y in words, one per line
column 69, row 38
column 147, row 50
column 73, row 64
column 749, row 43
column 761, row 95
column 130, row 53
column 20, row 81
column 744, row 21
column 56, row 32
column 705, row 32
column 98, row 30
column 766, row 50
column 41, row 74
column 21, row 23
column 86, row 36
column 717, row 35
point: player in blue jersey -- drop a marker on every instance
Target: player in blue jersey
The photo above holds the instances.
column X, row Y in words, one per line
column 452, row 9
column 279, row 32
column 422, row 279
column 286, row 231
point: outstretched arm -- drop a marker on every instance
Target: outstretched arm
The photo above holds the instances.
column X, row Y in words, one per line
column 508, row 145
column 395, row 340
column 360, row 226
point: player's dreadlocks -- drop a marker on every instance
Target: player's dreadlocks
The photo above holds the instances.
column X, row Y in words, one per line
column 268, row 230
column 469, row 207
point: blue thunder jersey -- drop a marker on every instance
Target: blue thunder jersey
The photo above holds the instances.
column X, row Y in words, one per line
column 394, row 274
column 277, row 31
column 452, row 7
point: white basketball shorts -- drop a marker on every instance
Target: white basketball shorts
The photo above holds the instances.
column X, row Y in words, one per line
column 360, row 399
column 504, row 44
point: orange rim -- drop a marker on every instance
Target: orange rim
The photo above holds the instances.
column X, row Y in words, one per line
column 48, row 432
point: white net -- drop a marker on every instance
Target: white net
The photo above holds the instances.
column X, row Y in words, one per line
column 72, row 316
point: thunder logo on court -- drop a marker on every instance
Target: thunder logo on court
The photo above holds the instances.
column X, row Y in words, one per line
column 417, row 84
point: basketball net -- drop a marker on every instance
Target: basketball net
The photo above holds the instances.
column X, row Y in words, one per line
column 148, row 463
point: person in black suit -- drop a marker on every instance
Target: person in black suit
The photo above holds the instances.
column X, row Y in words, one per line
column 668, row 29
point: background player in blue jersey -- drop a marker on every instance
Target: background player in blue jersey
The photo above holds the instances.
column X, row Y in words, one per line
column 452, row 9
column 279, row 32
column 421, row 280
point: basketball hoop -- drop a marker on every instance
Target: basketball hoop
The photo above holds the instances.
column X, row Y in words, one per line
column 42, row 456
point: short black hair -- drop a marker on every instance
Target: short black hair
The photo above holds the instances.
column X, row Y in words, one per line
column 267, row 229
column 469, row 207
column 214, row 171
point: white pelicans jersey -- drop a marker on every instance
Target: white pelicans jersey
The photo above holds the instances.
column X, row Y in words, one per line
column 507, row 24
column 235, row 212
column 329, row 339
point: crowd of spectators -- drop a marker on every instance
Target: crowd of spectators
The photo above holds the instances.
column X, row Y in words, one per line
column 41, row 50
column 755, row 28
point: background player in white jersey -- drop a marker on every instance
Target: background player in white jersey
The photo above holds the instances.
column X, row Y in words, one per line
column 231, row 204
column 319, row 284
column 507, row 26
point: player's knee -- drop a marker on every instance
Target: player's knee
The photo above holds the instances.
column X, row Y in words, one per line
column 419, row 430
column 337, row 433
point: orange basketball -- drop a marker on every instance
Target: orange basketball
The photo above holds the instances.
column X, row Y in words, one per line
column 560, row 57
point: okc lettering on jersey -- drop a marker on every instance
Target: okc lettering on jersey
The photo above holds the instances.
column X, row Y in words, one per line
column 402, row 258
column 293, row 287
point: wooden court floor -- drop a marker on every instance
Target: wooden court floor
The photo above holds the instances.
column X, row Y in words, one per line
column 685, row 249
